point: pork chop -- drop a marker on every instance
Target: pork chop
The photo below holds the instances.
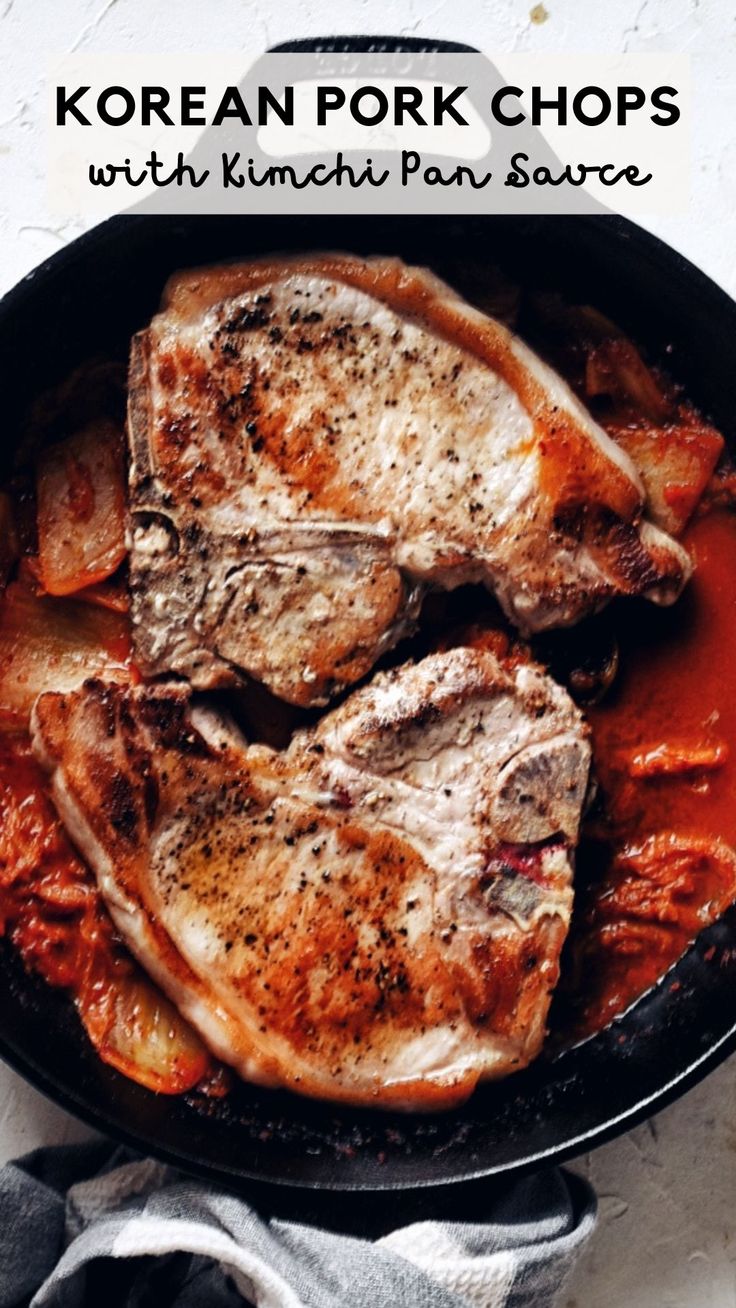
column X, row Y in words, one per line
column 374, row 915
column 316, row 440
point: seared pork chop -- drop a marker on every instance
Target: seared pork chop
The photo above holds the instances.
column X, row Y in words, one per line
column 315, row 440
column 374, row 915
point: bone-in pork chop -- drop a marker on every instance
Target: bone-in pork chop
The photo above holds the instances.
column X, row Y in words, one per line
column 374, row 915
column 316, row 440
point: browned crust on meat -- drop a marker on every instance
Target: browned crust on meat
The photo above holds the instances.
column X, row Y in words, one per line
column 266, row 539
column 365, row 992
column 576, row 470
column 312, row 906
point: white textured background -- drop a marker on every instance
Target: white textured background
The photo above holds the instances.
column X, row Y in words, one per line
column 667, row 1235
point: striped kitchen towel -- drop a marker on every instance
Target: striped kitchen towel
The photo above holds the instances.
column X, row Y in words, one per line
column 96, row 1225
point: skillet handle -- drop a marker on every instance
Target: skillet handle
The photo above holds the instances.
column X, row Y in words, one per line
column 371, row 45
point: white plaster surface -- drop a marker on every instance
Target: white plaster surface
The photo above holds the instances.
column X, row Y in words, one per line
column 667, row 1234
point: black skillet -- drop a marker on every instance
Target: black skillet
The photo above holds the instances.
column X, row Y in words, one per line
column 89, row 298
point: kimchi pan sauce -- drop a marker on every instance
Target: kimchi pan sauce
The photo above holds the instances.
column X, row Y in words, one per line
column 665, row 739
column 655, row 865
column 656, row 862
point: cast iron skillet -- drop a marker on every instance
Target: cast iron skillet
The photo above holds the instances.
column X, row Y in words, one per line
column 89, row 298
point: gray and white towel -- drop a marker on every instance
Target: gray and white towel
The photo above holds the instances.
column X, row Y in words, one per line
column 95, row 1225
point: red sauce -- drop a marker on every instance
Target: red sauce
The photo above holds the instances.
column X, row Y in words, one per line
column 51, row 910
column 656, row 864
column 49, row 904
column 677, row 685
